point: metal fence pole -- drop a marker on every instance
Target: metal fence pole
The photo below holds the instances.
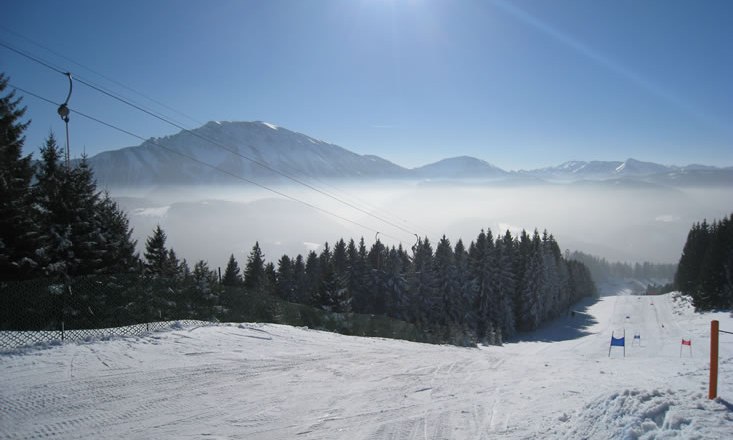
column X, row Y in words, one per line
column 714, row 327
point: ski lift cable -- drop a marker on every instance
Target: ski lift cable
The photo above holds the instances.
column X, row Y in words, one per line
column 212, row 141
column 198, row 122
column 236, row 176
column 101, row 75
column 237, row 153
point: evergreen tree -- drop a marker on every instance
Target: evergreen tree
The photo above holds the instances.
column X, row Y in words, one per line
column 357, row 276
column 423, row 292
column 118, row 248
column 286, row 285
column 232, row 276
column 312, row 277
column 156, row 254
column 254, row 271
column 705, row 270
column 73, row 237
column 466, row 312
column 51, row 214
column 17, row 238
column 446, row 279
column 398, row 304
column 505, row 284
column 376, row 281
column 300, row 290
column 270, row 285
column 687, row 278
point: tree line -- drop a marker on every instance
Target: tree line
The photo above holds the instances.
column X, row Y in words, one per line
column 488, row 290
column 705, row 270
column 604, row 270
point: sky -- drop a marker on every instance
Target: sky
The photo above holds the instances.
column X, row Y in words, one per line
column 520, row 84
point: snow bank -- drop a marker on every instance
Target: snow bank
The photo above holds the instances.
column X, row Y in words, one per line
column 650, row 414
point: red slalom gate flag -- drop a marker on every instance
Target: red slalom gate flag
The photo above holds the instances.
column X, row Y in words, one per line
column 687, row 342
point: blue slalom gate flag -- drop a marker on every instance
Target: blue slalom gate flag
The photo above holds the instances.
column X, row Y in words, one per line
column 617, row 342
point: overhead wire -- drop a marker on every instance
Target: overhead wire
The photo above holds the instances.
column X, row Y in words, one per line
column 206, row 164
column 101, row 75
column 178, row 125
column 168, row 120
column 243, row 156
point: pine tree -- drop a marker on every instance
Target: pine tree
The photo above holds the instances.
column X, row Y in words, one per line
column 422, row 284
column 286, row 286
column 447, row 282
column 357, row 279
column 17, row 238
column 396, row 294
column 118, row 248
column 467, row 290
column 54, row 241
column 312, row 277
column 254, row 271
column 506, row 284
column 156, row 254
column 232, row 276
column 687, row 278
column 300, row 289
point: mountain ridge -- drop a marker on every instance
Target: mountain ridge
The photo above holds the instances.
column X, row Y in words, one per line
column 222, row 152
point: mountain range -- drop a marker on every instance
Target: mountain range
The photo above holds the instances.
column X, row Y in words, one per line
column 230, row 152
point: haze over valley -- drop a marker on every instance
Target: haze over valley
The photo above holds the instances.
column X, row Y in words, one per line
column 198, row 185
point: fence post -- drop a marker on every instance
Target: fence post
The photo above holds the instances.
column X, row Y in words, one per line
column 714, row 328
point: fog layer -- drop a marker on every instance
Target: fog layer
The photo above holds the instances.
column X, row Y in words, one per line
column 616, row 220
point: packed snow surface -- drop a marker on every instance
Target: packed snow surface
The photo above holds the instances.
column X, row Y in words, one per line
column 264, row 381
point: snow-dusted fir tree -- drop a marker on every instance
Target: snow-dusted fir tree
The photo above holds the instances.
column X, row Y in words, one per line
column 312, row 277
column 423, row 292
column 506, row 284
column 254, row 271
column 299, row 281
column 156, row 254
column 482, row 255
column 80, row 231
column 17, row 240
column 398, row 300
column 232, row 275
column 376, row 259
column 118, row 248
column 285, row 285
column 357, row 276
column 335, row 279
column 530, row 314
column 446, row 279
column 465, row 303
column 52, row 213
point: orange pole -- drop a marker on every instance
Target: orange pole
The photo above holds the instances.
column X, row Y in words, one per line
column 714, row 327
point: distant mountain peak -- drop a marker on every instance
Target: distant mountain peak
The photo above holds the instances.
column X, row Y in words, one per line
column 457, row 167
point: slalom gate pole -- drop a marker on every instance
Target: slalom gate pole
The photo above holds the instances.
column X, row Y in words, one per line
column 714, row 328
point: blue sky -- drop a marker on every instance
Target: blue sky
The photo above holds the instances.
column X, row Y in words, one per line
column 520, row 84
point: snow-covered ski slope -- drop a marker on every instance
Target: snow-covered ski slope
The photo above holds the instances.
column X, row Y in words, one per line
column 262, row 381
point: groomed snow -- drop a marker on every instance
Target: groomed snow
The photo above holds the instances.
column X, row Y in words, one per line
column 265, row 381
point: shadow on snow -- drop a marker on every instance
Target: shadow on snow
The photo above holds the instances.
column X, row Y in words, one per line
column 573, row 325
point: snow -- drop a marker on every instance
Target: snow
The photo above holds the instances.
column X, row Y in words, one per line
column 266, row 381
column 273, row 126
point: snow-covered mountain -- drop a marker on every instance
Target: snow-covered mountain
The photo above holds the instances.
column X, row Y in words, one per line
column 459, row 167
column 230, row 152
column 252, row 150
